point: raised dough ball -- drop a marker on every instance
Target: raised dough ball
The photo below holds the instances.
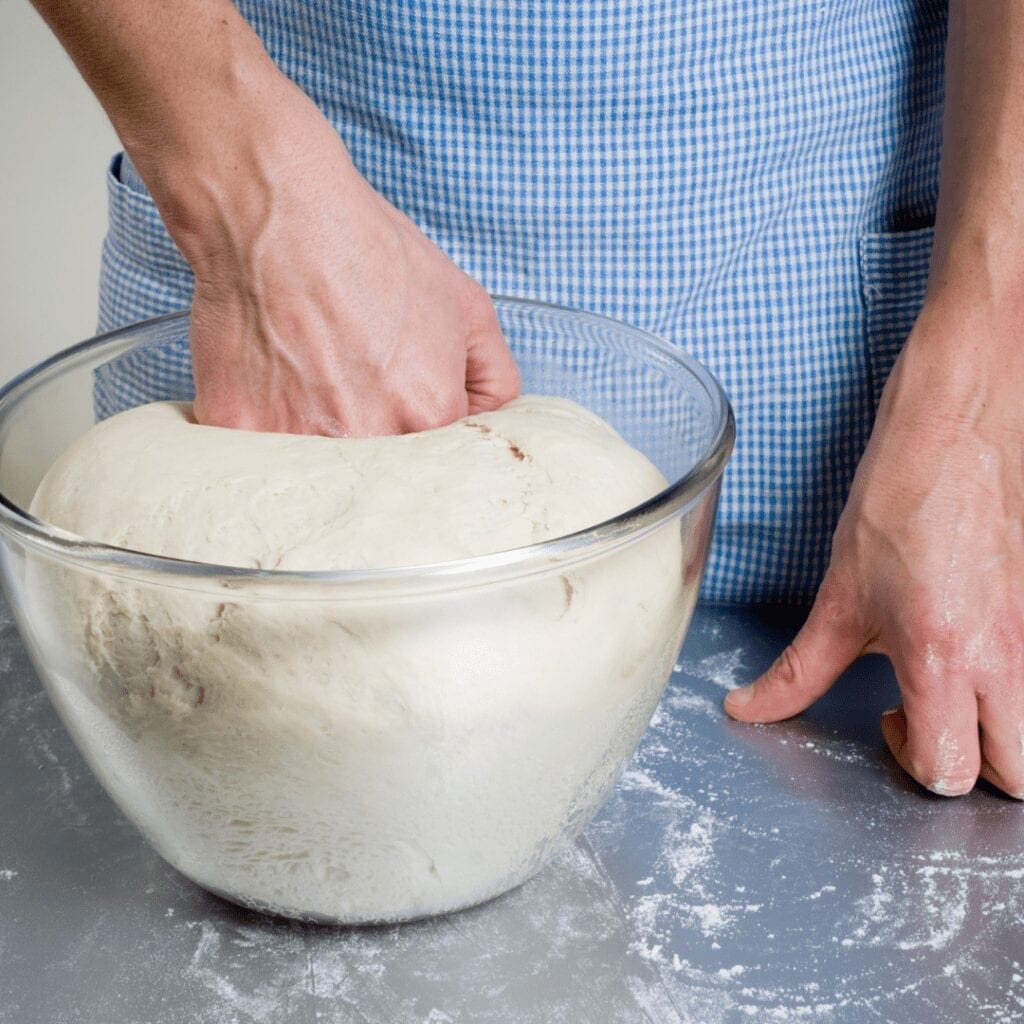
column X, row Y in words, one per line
column 369, row 758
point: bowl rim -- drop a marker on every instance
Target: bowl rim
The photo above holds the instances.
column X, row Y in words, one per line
column 581, row 545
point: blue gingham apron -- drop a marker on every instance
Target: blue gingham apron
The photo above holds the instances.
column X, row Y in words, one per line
column 753, row 181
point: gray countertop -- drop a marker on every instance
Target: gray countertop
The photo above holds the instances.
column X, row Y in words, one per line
column 779, row 873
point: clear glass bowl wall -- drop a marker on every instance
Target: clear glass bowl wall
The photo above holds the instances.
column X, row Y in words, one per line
column 398, row 742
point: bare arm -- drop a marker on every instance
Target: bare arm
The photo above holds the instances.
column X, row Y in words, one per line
column 979, row 227
column 319, row 308
column 928, row 559
column 184, row 84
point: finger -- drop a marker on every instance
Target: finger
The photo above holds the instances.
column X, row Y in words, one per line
column 894, row 732
column 1002, row 744
column 492, row 377
column 999, row 780
column 934, row 737
column 431, row 411
column 826, row 645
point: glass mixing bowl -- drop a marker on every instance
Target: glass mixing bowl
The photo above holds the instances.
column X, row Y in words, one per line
column 377, row 745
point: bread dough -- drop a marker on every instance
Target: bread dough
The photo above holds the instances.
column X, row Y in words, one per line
column 336, row 754
column 151, row 480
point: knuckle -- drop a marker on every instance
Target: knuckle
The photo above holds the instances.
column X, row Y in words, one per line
column 833, row 598
column 929, row 618
column 478, row 309
column 509, row 384
column 788, row 668
column 454, row 407
column 513, row 376
column 435, row 411
column 921, row 675
column 916, row 684
column 417, row 422
column 836, row 614
column 364, row 425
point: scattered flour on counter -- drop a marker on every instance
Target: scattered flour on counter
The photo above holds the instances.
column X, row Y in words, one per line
column 38, row 736
column 686, row 700
column 687, row 849
column 875, row 908
column 213, row 968
column 556, row 949
column 63, row 774
column 925, row 905
column 914, row 911
column 840, row 750
column 710, row 916
column 722, row 669
column 976, row 867
column 634, row 778
column 731, row 972
column 817, row 895
column 7, row 874
column 683, row 891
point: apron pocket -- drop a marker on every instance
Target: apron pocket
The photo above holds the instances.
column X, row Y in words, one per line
column 135, row 227
column 894, row 275
column 142, row 275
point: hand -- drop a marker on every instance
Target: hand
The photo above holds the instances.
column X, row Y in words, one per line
column 318, row 308
column 321, row 309
column 928, row 565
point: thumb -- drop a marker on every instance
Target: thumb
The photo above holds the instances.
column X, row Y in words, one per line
column 824, row 647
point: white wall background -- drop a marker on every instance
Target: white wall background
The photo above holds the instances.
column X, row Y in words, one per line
column 55, row 142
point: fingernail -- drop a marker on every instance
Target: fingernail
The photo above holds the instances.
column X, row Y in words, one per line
column 744, row 695
column 940, row 787
column 891, row 711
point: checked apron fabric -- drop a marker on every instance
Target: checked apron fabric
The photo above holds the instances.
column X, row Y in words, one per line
column 752, row 181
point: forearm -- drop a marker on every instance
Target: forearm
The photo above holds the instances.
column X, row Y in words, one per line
column 978, row 254
column 195, row 99
column 318, row 307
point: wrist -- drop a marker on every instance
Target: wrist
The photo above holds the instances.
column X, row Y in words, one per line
column 972, row 320
column 217, row 199
column 962, row 364
column 973, row 329
column 977, row 264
